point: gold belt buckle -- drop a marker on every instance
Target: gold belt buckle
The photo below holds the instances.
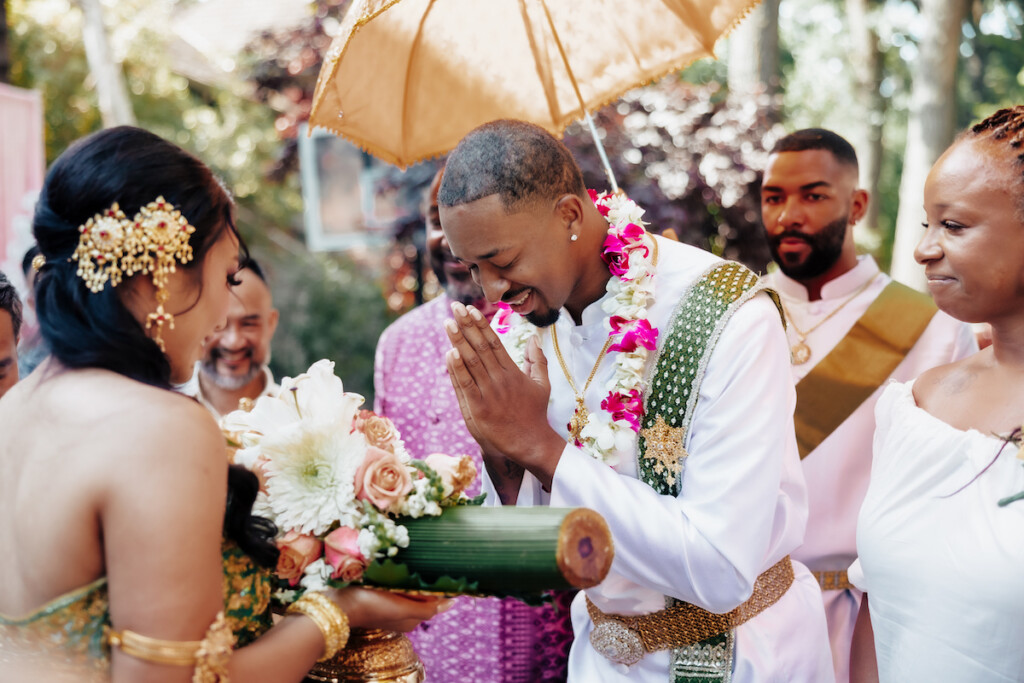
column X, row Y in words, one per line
column 617, row 642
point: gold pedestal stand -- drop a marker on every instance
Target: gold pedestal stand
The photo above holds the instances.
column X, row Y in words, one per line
column 371, row 655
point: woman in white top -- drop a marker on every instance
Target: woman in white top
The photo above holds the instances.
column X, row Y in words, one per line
column 941, row 549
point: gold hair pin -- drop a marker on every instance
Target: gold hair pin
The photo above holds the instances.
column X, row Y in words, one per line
column 112, row 247
column 38, row 261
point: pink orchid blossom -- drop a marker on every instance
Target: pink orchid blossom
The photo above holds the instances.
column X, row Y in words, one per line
column 502, row 318
column 601, row 206
column 625, row 406
column 637, row 333
column 615, row 255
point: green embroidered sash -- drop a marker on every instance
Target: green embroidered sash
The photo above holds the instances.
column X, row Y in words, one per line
column 695, row 327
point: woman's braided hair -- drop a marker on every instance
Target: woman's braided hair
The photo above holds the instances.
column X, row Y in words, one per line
column 1005, row 126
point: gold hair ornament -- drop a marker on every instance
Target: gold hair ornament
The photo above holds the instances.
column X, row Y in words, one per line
column 209, row 656
column 112, row 247
column 38, row 261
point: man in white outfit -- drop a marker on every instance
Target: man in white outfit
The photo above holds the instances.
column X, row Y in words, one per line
column 670, row 413
column 851, row 329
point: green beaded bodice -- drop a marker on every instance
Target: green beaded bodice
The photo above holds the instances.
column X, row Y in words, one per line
column 70, row 631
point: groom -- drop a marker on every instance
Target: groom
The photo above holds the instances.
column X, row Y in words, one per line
column 704, row 495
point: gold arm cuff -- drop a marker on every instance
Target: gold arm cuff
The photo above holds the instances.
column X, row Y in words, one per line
column 209, row 656
column 683, row 624
column 328, row 617
column 834, row 580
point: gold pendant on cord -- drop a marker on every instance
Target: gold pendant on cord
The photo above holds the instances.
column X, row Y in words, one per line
column 579, row 420
column 800, row 353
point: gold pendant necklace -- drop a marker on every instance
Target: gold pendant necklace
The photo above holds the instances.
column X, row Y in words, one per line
column 800, row 352
column 581, row 415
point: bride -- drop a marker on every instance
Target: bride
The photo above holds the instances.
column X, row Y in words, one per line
column 128, row 551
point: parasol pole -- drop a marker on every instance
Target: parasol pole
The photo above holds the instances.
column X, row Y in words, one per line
column 600, row 149
column 583, row 107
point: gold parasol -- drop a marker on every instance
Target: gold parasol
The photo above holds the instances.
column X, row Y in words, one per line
column 407, row 79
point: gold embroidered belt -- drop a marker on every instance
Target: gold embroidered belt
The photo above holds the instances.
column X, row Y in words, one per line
column 834, row 580
column 626, row 639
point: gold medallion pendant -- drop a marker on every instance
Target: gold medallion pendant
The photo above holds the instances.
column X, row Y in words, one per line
column 579, row 420
column 800, row 353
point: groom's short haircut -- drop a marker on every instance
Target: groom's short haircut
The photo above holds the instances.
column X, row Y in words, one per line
column 515, row 160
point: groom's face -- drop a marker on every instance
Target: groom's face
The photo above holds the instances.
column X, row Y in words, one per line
column 521, row 257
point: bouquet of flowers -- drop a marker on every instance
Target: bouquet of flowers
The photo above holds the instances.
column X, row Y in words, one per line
column 335, row 478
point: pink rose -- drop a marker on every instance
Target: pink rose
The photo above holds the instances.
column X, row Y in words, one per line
column 297, row 551
column 382, row 479
column 342, row 552
column 456, row 473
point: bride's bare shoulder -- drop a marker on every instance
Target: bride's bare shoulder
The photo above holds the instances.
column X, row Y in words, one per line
column 125, row 419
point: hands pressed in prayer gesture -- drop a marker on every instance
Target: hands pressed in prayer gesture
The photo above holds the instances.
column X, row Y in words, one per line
column 505, row 408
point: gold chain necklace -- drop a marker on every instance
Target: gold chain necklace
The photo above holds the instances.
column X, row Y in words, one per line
column 800, row 352
column 580, row 415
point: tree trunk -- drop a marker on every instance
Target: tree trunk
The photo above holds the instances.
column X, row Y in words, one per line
column 5, row 50
column 866, row 135
column 929, row 126
column 754, row 51
column 115, row 107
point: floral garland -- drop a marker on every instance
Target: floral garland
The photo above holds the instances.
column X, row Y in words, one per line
column 630, row 259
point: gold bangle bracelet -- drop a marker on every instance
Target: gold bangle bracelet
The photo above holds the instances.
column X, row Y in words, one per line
column 209, row 656
column 328, row 617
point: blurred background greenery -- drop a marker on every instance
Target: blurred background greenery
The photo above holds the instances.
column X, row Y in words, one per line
column 897, row 77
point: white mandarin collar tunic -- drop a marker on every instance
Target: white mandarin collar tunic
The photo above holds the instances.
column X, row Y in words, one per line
column 837, row 471
column 743, row 502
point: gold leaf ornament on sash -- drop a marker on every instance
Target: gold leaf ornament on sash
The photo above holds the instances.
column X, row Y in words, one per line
column 111, row 247
column 665, row 449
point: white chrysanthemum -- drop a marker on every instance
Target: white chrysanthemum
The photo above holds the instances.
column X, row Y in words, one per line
column 261, row 506
column 311, row 474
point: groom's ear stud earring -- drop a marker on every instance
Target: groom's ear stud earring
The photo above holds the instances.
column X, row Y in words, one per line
column 573, row 238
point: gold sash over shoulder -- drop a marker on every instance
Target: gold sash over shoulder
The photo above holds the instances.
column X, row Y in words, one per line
column 860, row 363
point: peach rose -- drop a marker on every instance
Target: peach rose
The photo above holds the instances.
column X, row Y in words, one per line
column 297, row 551
column 360, row 419
column 456, row 473
column 380, row 432
column 342, row 552
column 382, row 479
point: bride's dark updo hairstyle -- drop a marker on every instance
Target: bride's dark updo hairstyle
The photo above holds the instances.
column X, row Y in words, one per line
column 86, row 329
